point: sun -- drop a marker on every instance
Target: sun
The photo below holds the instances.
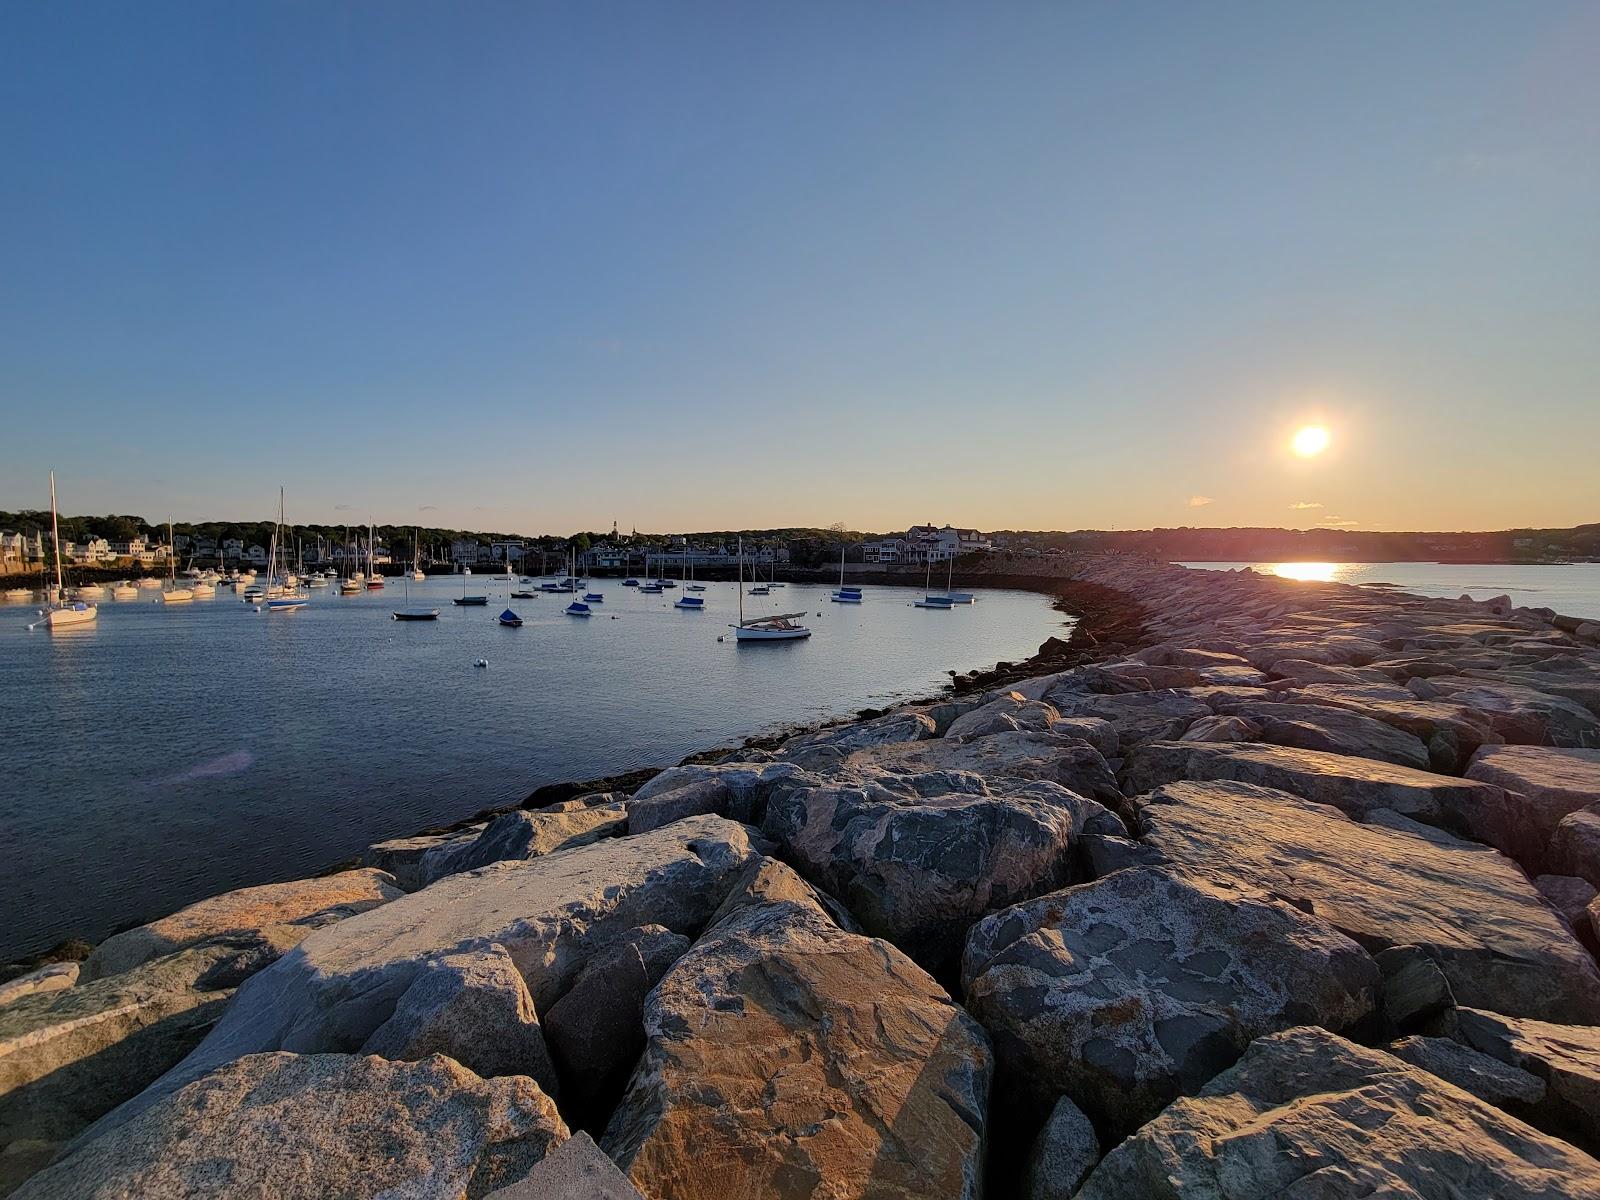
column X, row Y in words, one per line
column 1310, row 440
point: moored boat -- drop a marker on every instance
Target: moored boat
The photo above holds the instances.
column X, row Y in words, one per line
column 63, row 614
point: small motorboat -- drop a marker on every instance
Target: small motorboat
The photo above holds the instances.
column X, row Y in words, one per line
column 510, row 618
column 374, row 582
column 203, row 588
column 471, row 601
column 760, row 589
column 91, row 589
column 22, row 593
column 149, row 581
column 124, row 591
column 254, row 594
column 577, row 609
column 318, row 580
column 650, row 589
column 176, row 595
column 416, row 614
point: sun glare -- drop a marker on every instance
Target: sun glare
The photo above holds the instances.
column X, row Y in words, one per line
column 1310, row 440
column 1306, row 572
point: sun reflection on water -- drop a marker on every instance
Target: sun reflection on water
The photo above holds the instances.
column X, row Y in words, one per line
column 1308, row 572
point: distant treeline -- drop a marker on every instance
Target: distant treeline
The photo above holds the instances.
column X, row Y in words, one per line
column 123, row 527
column 1328, row 545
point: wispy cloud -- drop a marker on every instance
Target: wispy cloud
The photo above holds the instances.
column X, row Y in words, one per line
column 1306, row 504
column 1337, row 523
column 1200, row 501
column 428, row 508
column 341, row 508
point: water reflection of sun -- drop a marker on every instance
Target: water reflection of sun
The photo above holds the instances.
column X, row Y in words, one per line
column 1309, row 572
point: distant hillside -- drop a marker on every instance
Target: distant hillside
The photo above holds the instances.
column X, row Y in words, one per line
column 1326, row 545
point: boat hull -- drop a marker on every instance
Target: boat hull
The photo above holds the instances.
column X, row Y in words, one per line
column 771, row 635
column 66, row 618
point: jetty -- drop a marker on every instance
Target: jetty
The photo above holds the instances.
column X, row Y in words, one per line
column 1249, row 888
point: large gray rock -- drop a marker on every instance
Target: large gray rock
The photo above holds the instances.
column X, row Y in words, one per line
column 1451, row 732
column 551, row 914
column 827, row 746
column 1575, row 848
column 596, row 1030
column 522, row 835
column 1354, row 785
column 1131, row 990
column 1136, row 716
column 787, row 1057
column 575, row 1170
column 1523, row 715
column 1395, row 884
column 917, row 861
column 1566, row 1058
column 1010, row 713
column 1357, row 786
column 52, row 977
column 1307, row 1114
column 305, row 902
column 67, row 1057
column 402, row 857
column 1065, row 1151
column 1069, row 761
column 1334, row 730
column 472, row 1006
column 738, row 791
column 1489, row 1079
column 1547, row 783
column 308, row 1127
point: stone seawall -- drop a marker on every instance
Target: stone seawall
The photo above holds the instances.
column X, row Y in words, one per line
column 1251, row 888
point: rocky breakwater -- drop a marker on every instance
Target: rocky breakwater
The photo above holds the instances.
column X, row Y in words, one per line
column 1292, row 893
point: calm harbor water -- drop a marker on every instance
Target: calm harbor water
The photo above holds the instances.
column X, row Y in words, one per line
column 1573, row 589
column 167, row 754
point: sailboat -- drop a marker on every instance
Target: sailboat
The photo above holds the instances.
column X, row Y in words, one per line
column 174, row 594
column 781, row 628
column 351, row 583
column 929, row 600
column 687, row 602
column 62, row 614
column 288, row 598
column 466, row 601
column 416, row 555
column 578, row 608
column 414, row 614
column 508, row 617
column 374, row 580
column 845, row 595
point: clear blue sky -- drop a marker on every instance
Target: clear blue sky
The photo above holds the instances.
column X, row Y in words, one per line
column 537, row 266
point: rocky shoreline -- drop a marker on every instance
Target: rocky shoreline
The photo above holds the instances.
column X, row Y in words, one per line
column 1251, row 888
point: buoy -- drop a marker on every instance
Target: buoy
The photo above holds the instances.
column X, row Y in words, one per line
column 482, row 662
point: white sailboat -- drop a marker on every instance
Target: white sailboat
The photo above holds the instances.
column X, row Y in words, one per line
column 374, row 580
column 781, row 628
column 173, row 594
column 288, row 597
column 417, row 574
column 63, row 614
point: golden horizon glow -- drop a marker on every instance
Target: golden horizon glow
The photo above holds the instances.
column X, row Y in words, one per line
column 1310, row 440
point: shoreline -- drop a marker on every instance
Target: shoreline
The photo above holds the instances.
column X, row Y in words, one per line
column 1369, row 811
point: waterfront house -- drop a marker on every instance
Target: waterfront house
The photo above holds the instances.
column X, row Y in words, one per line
column 232, row 549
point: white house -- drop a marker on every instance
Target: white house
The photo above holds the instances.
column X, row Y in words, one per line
column 95, row 550
column 21, row 547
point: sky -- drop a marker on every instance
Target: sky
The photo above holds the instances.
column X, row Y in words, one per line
column 543, row 266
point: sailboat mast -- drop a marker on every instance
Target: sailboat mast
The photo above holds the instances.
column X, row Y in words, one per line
column 55, row 536
column 741, row 579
